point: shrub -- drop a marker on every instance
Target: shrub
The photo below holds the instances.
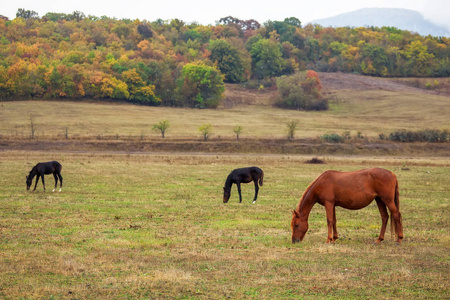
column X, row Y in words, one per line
column 314, row 160
column 301, row 91
column 427, row 135
column 332, row 138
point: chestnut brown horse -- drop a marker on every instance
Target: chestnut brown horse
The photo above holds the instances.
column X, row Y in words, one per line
column 243, row 175
column 350, row 190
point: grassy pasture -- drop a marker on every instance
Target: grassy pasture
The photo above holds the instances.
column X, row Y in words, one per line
column 370, row 112
column 154, row 226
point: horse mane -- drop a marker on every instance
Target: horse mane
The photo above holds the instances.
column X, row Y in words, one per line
column 33, row 170
column 228, row 183
column 307, row 190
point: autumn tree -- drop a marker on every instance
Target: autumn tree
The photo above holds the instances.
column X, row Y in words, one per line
column 138, row 90
column 301, row 91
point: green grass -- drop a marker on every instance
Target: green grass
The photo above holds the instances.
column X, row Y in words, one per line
column 154, row 226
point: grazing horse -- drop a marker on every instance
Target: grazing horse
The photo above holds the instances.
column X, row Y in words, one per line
column 243, row 175
column 51, row 167
column 350, row 190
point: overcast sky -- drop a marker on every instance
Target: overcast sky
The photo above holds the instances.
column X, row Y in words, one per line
column 208, row 11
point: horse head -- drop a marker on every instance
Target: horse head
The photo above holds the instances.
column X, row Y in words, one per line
column 29, row 181
column 299, row 227
column 226, row 195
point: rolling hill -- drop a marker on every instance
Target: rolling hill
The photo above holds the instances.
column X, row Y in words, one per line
column 404, row 19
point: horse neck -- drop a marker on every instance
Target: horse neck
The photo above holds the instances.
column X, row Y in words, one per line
column 228, row 183
column 305, row 207
column 307, row 201
column 32, row 174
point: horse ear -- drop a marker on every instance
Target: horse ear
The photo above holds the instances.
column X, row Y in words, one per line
column 295, row 213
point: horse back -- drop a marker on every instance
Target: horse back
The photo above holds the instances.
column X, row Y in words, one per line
column 361, row 186
column 48, row 167
column 245, row 175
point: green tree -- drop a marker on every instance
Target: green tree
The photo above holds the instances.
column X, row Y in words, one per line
column 292, row 127
column 286, row 29
column 267, row 59
column 206, row 131
column 26, row 14
column 200, row 85
column 237, row 131
column 161, row 127
column 228, row 60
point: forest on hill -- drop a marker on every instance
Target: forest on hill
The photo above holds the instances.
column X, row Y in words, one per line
column 171, row 63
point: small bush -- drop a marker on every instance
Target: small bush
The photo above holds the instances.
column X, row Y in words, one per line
column 314, row 160
column 382, row 136
column 332, row 138
column 301, row 91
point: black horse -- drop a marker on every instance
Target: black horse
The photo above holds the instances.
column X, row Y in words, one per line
column 243, row 175
column 51, row 167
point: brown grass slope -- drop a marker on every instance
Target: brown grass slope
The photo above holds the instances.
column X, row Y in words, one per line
column 358, row 103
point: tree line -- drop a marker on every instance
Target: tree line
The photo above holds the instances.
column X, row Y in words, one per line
column 172, row 63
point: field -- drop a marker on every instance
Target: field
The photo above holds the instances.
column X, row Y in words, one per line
column 134, row 221
column 154, row 226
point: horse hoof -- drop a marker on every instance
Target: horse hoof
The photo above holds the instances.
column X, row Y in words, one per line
column 254, row 202
column 53, row 190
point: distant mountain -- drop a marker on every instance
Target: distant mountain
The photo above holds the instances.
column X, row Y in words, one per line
column 404, row 19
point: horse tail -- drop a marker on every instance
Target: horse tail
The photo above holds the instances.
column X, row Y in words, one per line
column 397, row 196
column 397, row 205
column 261, row 181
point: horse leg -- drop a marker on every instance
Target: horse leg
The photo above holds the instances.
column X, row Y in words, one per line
column 335, row 234
column 384, row 219
column 37, row 179
column 396, row 215
column 239, row 191
column 43, row 181
column 56, row 181
column 329, row 208
column 256, row 189
column 60, row 181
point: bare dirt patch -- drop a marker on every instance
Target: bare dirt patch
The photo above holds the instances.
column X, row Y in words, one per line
column 236, row 94
column 333, row 82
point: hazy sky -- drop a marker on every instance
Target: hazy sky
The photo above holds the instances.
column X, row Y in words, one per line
column 208, row 11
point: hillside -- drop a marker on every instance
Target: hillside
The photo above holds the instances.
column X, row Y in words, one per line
column 358, row 104
column 404, row 19
column 174, row 64
column 337, row 82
